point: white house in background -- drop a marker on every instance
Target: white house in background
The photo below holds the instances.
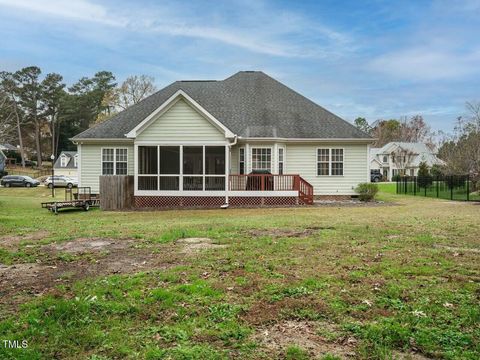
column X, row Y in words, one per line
column 67, row 164
column 414, row 153
column 196, row 143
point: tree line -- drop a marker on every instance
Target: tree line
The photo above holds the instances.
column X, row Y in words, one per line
column 460, row 150
column 40, row 113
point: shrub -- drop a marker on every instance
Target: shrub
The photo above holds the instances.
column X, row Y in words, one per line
column 436, row 170
column 367, row 191
column 424, row 179
column 396, row 177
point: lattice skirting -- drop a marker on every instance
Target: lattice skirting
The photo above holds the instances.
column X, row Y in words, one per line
column 213, row 201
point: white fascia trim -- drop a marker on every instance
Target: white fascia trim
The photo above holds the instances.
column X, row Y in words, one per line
column 166, row 105
column 305, row 140
column 101, row 140
column 216, row 193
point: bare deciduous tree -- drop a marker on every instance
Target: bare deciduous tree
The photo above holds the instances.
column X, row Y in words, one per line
column 10, row 107
column 461, row 151
column 402, row 158
column 134, row 89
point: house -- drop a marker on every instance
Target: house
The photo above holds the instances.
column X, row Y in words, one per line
column 67, row 164
column 402, row 158
column 8, row 147
column 194, row 143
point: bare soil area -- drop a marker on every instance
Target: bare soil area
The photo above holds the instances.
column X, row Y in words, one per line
column 12, row 242
column 279, row 336
column 279, row 233
column 92, row 258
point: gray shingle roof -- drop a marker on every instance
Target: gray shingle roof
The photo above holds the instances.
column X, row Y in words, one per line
column 249, row 103
column 70, row 163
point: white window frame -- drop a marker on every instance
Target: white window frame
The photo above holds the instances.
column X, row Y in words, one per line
column 283, row 162
column 63, row 161
column 75, row 161
column 252, row 148
column 114, row 159
column 240, row 161
column 330, row 161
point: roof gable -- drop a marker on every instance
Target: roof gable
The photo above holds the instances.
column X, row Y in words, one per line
column 167, row 105
column 69, row 155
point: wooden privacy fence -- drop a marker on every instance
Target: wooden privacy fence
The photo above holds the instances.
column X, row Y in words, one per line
column 116, row 192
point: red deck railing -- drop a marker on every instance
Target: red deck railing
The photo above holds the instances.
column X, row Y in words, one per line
column 271, row 182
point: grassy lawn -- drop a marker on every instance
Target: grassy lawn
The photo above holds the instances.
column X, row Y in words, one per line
column 443, row 193
column 398, row 280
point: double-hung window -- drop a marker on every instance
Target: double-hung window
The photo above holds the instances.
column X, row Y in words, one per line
column 337, row 162
column 114, row 161
column 323, row 161
column 241, row 160
column 281, row 154
column 262, row 159
column 330, row 162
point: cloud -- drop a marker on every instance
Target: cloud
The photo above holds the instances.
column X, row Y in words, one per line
column 260, row 34
column 427, row 64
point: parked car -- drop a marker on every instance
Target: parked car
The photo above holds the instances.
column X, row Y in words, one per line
column 375, row 175
column 61, row 181
column 19, row 180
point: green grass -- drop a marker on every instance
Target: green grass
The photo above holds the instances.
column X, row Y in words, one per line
column 443, row 193
column 396, row 278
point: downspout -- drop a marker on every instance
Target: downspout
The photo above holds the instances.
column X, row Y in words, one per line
column 225, row 206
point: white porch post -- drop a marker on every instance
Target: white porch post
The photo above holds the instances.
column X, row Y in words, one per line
column 135, row 169
column 227, row 171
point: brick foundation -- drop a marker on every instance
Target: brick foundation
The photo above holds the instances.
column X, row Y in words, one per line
column 192, row 202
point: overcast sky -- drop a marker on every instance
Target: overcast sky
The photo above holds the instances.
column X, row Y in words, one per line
column 375, row 59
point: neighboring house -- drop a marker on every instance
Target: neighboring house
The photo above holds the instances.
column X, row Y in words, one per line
column 402, row 158
column 7, row 147
column 194, row 142
column 67, row 164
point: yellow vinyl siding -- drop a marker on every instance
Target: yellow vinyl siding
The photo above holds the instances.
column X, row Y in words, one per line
column 91, row 163
column 302, row 159
column 181, row 123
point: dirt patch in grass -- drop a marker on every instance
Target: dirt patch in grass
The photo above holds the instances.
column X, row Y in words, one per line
column 283, row 233
column 263, row 312
column 13, row 241
column 90, row 258
column 195, row 245
column 279, row 336
column 83, row 245
column 457, row 250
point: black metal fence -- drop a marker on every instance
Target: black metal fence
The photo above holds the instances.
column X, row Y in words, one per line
column 451, row 187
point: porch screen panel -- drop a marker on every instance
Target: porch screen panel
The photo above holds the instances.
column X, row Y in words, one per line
column 193, row 165
column 169, row 168
column 215, row 168
column 148, row 183
column 214, row 160
column 170, row 160
column 148, row 160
